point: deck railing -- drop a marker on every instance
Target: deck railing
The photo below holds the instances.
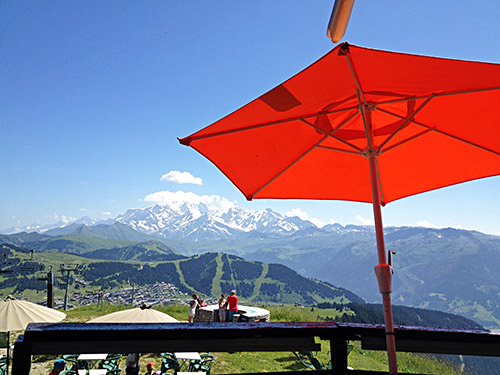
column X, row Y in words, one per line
column 62, row 338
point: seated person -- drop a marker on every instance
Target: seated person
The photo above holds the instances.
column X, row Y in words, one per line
column 150, row 369
column 132, row 364
column 59, row 365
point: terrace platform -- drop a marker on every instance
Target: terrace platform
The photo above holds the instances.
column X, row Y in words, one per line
column 63, row 338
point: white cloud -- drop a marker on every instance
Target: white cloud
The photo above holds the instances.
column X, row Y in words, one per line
column 427, row 224
column 181, row 178
column 83, row 209
column 84, row 182
column 364, row 221
column 63, row 218
column 179, row 197
column 305, row 216
column 106, row 213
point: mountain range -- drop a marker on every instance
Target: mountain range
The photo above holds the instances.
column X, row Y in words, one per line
column 450, row 270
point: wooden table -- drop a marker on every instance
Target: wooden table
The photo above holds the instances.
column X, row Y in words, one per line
column 185, row 358
column 93, row 371
column 92, row 359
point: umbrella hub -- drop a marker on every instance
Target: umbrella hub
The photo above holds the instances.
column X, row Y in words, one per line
column 373, row 152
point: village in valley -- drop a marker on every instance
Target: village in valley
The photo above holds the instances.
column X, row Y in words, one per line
column 152, row 294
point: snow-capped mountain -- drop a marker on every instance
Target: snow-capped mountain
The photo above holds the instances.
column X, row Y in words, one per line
column 85, row 220
column 197, row 221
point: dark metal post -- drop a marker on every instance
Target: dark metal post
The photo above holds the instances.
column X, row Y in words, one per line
column 68, row 269
column 66, row 291
column 21, row 363
column 132, row 296
column 50, row 287
column 338, row 349
column 50, row 291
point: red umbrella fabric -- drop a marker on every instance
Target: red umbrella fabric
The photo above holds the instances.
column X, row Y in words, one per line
column 306, row 137
column 363, row 125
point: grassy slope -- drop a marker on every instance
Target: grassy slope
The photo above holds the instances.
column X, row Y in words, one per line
column 283, row 285
column 216, row 289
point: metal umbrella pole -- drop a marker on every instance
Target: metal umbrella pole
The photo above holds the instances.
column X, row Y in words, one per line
column 383, row 271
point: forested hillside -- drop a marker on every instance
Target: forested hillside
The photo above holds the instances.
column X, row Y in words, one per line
column 209, row 275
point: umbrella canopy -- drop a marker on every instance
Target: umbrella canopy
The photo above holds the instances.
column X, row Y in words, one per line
column 16, row 314
column 137, row 315
column 307, row 137
column 363, row 125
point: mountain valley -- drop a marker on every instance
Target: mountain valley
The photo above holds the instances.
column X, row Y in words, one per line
column 450, row 270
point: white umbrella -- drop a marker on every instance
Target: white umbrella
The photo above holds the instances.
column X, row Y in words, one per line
column 143, row 314
column 16, row 314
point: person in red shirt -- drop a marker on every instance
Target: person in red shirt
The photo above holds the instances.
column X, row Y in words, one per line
column 232, row 305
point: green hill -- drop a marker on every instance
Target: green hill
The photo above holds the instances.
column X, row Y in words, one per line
column 150, row 251
column 75, row 243
column 115, row 231
column 426, row 265
column 209, row 275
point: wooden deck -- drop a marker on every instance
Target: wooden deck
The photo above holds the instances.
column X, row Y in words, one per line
column 64, row 338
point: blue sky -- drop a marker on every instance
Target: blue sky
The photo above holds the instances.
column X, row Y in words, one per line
column 94, row 94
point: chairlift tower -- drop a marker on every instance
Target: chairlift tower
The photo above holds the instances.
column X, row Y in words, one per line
column 50, row 287
column 66, row 271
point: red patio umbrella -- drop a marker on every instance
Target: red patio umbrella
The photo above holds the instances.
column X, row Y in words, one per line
column 363, row 125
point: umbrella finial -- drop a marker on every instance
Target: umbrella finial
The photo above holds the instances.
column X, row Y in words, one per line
column 344, row 49
column 144, row 306
column 184, row 141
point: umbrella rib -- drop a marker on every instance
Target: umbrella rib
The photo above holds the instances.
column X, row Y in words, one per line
column 188, row 139
column 444, row 93
column 408, row 139
column 330, row 134
column 381, row 191
column 368, row 138
column 407, row 120
column 287, row 167
column 434, row 128
column 338, row 149
column 470, row 91
column 360, row 95
column 355, row 76
column 466, row 141
column 333, row 130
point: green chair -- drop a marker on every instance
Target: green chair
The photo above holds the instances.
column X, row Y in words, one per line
column 169, row 363
column 309, row 360
column 203, row 365
column 72, row 362
column 168, row 355
column 109, row 364
column 3, row 365
column 114, row 356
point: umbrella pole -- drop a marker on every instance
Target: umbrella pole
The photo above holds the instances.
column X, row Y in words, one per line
column 8, row 352
column 383, row 270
